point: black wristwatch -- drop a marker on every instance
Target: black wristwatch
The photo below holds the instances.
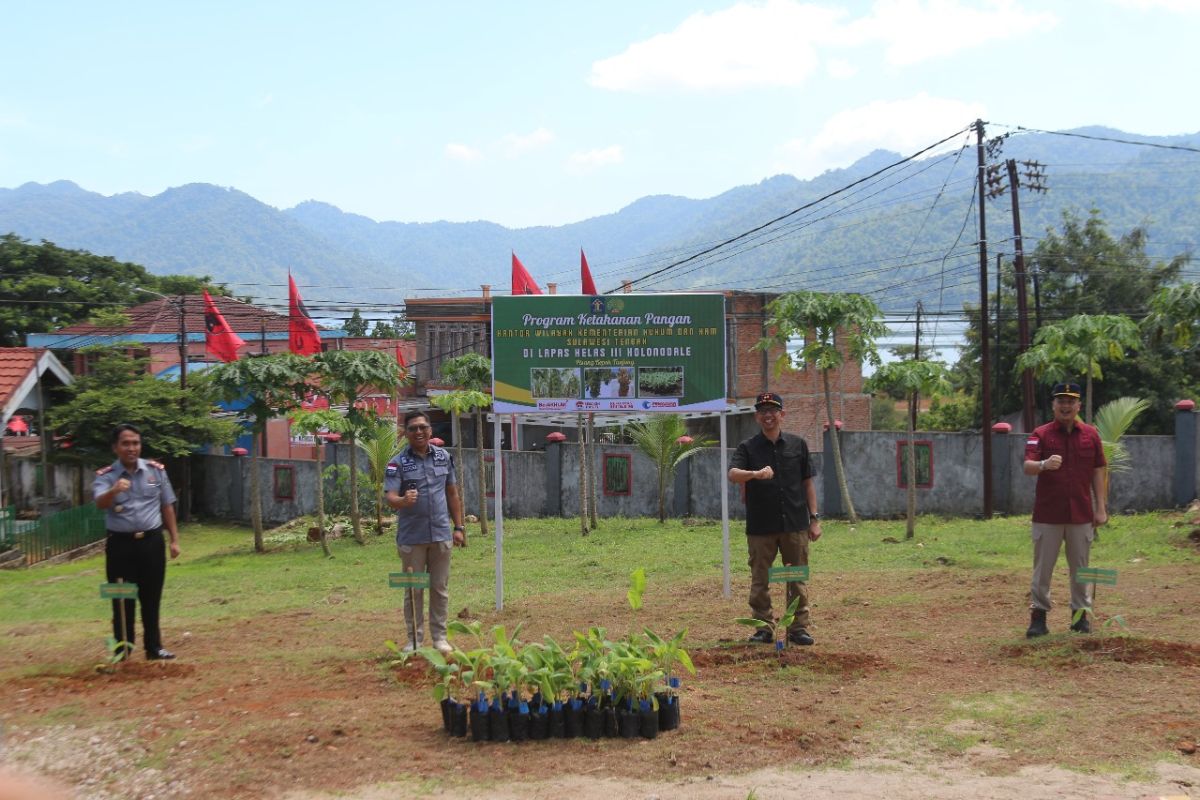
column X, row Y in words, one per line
column 814, row 515
column 460, row 528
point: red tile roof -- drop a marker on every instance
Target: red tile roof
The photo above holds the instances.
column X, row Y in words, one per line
column 161, row 316
column 15, row 365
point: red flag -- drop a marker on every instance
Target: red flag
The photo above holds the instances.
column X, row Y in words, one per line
column 400, row 356
column 589, row 285
column 522, row 281
column 220, row 339
column 303, row 339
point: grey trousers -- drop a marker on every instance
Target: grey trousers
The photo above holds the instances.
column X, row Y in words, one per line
column 434, row 559
column 1047, row 541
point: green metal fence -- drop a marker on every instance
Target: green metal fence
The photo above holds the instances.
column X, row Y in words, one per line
column 53, row 534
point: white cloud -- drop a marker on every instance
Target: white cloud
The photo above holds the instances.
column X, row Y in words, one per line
column 783, row 42
column 840, row 69
column 903, row 125
column 921, row 30
column 590, row 160
column 750, row 44
column 1174, row 6
column 462, row 152
column 518, row 144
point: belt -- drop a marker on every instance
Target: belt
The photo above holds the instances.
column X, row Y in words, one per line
column 136, row 534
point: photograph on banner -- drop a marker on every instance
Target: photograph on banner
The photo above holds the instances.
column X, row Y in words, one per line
column 628, row 352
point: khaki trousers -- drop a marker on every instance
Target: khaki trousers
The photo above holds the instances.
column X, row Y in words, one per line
column 1048, row 539
column 434, row 559
column 793, row 549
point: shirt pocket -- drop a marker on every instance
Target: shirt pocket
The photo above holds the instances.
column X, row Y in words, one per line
column 441, row 472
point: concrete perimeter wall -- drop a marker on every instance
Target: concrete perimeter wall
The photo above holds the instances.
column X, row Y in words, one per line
column 1164, row 474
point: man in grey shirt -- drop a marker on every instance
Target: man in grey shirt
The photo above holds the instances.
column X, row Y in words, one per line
column 138, row 497
column 422, row 487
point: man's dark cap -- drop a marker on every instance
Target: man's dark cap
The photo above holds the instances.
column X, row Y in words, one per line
column 768, row 399
column 1067, row 390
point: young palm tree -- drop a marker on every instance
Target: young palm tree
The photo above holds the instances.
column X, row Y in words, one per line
column 665, row 441
column 378, row 443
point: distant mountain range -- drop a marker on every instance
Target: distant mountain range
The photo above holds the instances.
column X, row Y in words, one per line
column 908, row 234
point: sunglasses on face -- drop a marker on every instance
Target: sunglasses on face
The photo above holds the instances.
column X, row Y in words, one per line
column 417, row 428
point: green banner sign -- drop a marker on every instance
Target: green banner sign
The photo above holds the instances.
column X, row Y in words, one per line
column 626, row 352
column 787, row 574
column 408, row 580
column 118, row 591
column 1104, row 577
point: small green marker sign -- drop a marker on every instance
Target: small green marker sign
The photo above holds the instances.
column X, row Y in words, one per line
column 408, row 580
column 1104, row 577
column 118, row 591
column 787, row 574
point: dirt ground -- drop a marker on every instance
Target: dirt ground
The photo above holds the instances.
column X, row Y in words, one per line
column 917, row 687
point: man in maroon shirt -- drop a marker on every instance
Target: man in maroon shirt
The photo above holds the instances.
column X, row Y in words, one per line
column 1067, row 457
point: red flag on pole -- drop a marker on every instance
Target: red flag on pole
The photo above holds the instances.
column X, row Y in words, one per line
column 522, row 281
column 220, row 339
column 400, row 356
column 589, row 285
column 303, row 339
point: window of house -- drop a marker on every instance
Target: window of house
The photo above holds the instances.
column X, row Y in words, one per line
column 924, row 452
column 618, row 474
column 285, row 482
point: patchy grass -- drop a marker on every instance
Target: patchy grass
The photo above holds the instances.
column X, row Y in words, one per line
column 283, row 681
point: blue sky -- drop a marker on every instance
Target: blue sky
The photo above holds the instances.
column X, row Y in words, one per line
column 543, row 113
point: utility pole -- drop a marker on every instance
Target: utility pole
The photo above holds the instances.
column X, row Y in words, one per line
column 1028, row 403
column 999, row 360
column 996, row 187
column 916, row 398
column 984, row 333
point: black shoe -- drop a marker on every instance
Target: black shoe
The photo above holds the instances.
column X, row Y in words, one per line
column 762, row 636
column 800, row 637
column 161, row 654
column 1037, row 624
column 1082, row 625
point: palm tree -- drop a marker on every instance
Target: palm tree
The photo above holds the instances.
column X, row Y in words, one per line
column 665, row 441
column 914, row 378
column 828, row 324
column 379, row 443
column 1112, row 420
column 1078, row 345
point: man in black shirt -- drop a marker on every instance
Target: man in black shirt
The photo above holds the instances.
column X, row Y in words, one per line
column 781, row 511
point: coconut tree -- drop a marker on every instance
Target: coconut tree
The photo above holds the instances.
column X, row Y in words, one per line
column 833, row 327
column 1078, row 346
column 345, row 376
column 269, row 386
column 914, row 378
column 315, row 422
column 1112, row 421
column 472, row 372
column 665, row 441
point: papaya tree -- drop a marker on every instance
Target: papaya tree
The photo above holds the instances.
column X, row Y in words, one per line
column 913, row 378
column 832, row 327
column 346, row 376
column 270, row 386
